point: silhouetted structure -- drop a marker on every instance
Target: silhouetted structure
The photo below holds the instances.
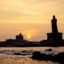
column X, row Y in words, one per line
column 55, row 36
column 19, row 37
column 53, row 39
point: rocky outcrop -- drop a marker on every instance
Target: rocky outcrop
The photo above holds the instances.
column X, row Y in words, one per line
column 59, row 57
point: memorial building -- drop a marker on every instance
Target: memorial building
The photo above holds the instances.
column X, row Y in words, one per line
column 54, row 36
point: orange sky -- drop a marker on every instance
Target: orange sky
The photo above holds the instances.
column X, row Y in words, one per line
column 29, row 17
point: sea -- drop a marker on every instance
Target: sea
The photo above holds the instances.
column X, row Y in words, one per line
column 7, row 55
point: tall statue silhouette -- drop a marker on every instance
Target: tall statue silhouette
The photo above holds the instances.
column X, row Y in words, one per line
column 55, row 36
column 54, row 25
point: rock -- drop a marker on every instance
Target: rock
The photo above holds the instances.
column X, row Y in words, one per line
column 52, row 57
column 48, row 50
column 36, row 55
column 17, row 53
column 59, row 57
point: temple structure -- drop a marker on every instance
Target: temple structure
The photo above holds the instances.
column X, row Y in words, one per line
column 54, row 36
column 19, row 37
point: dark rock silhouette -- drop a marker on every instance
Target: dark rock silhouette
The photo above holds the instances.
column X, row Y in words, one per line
column 51, row 57
column 59, row 57
column 36, row 55
column 48, row 50
column 17, row 54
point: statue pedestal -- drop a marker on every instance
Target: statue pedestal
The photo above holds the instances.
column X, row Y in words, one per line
column 54, row 36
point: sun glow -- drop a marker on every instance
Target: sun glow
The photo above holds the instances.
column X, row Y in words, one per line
column 29, row 36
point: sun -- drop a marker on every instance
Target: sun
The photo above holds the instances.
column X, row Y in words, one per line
column 29, row 36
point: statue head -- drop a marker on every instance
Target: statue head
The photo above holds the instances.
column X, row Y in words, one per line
column 54, row 18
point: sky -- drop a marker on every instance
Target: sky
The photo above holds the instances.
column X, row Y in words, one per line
column 32, row 18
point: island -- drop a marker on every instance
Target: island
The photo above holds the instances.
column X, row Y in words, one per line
column 54, row 39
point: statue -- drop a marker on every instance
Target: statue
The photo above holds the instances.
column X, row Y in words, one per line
column 55, row 36
column 54, row 25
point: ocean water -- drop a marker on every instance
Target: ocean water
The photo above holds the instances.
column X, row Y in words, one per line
column 7, row 55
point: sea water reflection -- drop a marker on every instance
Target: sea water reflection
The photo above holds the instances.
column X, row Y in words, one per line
column 6, row 56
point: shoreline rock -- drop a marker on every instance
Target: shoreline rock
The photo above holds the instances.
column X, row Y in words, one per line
column 59, row 57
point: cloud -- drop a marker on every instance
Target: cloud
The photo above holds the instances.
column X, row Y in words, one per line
column 12, row 14
column 12, row 8
column 30, row 9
